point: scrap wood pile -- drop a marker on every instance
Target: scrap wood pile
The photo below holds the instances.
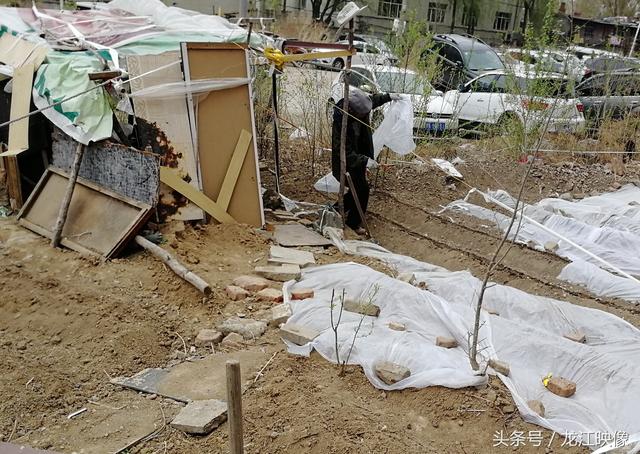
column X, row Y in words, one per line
column 103, row 132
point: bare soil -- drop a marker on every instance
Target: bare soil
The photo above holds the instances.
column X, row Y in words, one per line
column 68, row 324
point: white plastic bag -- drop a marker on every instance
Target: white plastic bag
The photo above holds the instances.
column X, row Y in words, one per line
column 396, row 130
column 327, row 183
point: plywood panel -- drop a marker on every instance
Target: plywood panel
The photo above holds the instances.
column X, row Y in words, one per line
column 99, row 221
column 222, row 116
column 172, row 117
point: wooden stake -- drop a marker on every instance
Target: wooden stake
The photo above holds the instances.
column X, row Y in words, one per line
column 234, row 407
column 66, row 200
column 358, row 206
column 345, row 119
column 175, row 265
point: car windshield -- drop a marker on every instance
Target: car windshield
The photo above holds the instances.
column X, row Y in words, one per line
column 482, row 59
column 401, row 82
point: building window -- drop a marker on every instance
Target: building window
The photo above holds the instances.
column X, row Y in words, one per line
column 502, row 21
column 389, row 8
column 436, row 12
column 469, row 18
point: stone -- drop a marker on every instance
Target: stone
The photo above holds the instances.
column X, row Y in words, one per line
column 208, row 336
column 359, row 307
column 561, row 386
column 446, row 342
column 576, row 336
column 579, row 195
column 302, row 293
column 616, row 185
column 200, row 417
column 396, row 326
column 236, row 293
column 280, row 273
column 490, row 311
column 508, row 408
column 270, row 294
column 409, row 278
column 279, row 315
column 391, row 373
column 306, row 222
column 232, row 340
column 499, row 366
column 251, row 283
column 282, row 255
column 537, row 407
column 246, row 327
column 551, row 246
column 566, row 196
column 296, row 334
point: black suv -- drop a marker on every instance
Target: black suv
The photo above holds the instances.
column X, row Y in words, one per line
column 611, row 95
column 461, row 59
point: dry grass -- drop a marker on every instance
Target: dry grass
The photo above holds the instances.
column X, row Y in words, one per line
column 300, row 27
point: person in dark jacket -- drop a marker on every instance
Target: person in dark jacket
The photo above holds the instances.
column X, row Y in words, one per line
column 359, row 149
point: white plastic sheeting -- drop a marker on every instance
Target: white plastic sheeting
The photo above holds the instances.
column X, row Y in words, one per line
column 182, row 88
column 607, row 226
column 396, row 130
column 528, row 335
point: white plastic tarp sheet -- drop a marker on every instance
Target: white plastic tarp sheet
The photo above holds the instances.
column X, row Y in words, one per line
column 528, row 334
column 195, row 87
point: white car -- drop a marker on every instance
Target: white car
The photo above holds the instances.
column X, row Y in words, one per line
column 547, row 61
column 366, row 54
column 432, row 114
column 498, row 97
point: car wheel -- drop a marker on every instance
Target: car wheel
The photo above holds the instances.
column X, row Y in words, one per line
column 508, row 122
column 338, row 63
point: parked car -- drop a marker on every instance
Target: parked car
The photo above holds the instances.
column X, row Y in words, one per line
column 366, row 54
column 530, row 60
column 588, row 52
column 609, row 96
column 432, row 115
column 499, row 97
column 461, row 58
column 607, row 64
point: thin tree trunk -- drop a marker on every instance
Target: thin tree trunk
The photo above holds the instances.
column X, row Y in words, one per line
column 453, row 16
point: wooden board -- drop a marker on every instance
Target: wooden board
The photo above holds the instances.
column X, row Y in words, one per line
column 172, row 117
column 99, row 222
column 20, row 102
column 293, row 235
column 16, row 52
column 172, row 179
column 222, row 115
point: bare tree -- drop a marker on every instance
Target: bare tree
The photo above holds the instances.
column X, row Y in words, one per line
column 322, row 10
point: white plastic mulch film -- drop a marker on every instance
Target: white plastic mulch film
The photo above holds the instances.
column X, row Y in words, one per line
column 527, row 334
column 607, row 225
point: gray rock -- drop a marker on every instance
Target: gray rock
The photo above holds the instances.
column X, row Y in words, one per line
column 391, row 373
column 200, row 417
column 246, row 327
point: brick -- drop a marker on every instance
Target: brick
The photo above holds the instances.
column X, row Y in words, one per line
column 561, row 387
column 396, row 326
column 576, row 336
column 281, row 273
column 299, row 335
column 251, row 283
column 551, row 246
column 500, row 366
column 491, row 311
column 391, row 373
column 270, row 294
column 536, row 406
column 200, row 417
column 302, row 293
column 446, row 342
column 246, row 327
column 359, row 307
column 279, row 315
column 236, row 293
column 208, row 336
column 409, row 278
column 232, row 340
